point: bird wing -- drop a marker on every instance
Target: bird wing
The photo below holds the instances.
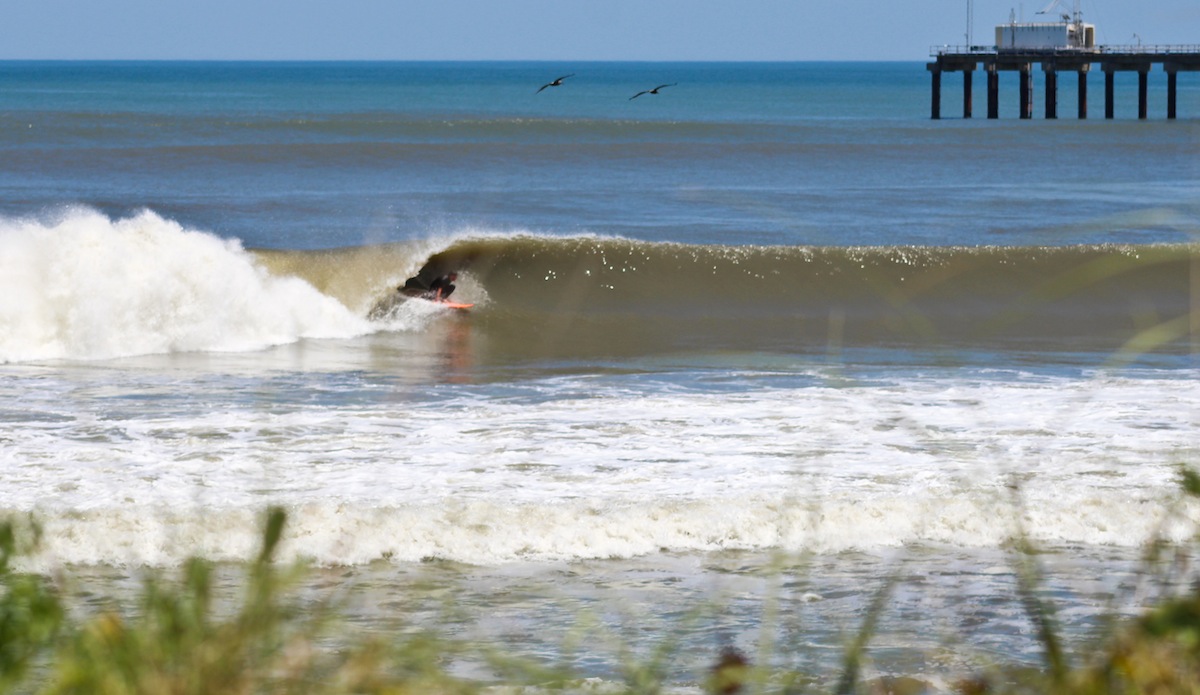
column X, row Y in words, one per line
column 635, row 96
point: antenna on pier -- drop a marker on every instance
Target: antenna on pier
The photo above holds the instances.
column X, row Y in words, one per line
column 970, row 24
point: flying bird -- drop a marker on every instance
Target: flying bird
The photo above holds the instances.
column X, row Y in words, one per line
column 555, row 83
column 652, row 91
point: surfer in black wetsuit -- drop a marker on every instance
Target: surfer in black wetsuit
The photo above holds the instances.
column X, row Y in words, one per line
column 438, row 290
column 443, row 287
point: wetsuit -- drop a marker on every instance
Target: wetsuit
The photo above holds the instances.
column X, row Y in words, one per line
column 441, row 288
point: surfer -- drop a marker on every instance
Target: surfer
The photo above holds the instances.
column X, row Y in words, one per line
column 443, row 287
column 438, row 290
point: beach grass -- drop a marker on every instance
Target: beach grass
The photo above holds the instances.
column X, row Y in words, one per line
column 180, row 638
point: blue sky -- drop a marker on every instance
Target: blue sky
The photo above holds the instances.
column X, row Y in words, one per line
column 552, row 30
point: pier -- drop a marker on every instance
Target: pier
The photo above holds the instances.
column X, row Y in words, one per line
column 1081, row 61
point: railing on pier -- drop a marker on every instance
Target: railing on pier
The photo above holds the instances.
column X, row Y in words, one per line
column 1148, row 50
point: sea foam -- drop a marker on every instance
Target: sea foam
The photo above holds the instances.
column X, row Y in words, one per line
column 84, row 286
column 574, row 469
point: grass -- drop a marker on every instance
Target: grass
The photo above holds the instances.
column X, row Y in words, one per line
column 177, row 641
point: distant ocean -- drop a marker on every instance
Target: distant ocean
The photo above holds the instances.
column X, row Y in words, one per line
column 741, row 351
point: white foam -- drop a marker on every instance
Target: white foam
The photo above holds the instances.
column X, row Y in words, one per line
column 88, row 287
column 588, row 469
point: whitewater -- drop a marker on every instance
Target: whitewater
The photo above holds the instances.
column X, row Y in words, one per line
column 582, row 468
column 87, row 287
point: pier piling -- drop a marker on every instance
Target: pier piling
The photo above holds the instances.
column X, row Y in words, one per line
column 1109, row 91
column 993, row 92
column 1051, row 90
column 1143, row 88
column 1173, row 68
column 1171, row 85
column 1083, row 105
column 936, row 106
column 967, row 101
column 1026, row 87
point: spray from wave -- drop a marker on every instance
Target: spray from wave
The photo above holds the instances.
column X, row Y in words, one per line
column 84, row 286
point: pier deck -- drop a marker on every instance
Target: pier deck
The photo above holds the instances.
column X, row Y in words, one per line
column 1110, row 59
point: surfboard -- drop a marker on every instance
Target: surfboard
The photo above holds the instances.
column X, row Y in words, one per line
column 445, row 302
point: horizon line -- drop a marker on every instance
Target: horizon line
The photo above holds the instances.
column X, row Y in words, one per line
column 460, row 60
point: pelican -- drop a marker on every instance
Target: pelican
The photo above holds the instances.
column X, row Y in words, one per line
column 555, row 83
column 652, row 91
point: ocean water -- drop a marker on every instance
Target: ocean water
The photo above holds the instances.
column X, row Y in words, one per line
column 743, row 353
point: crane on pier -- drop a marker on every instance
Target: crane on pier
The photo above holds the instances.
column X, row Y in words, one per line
column 1074, row 19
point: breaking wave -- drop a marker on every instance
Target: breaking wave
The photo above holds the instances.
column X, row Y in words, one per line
column 88, row 287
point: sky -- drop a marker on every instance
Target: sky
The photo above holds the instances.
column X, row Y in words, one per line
column 547, row 30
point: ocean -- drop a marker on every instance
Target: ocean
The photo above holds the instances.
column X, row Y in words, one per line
column 744, row 354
